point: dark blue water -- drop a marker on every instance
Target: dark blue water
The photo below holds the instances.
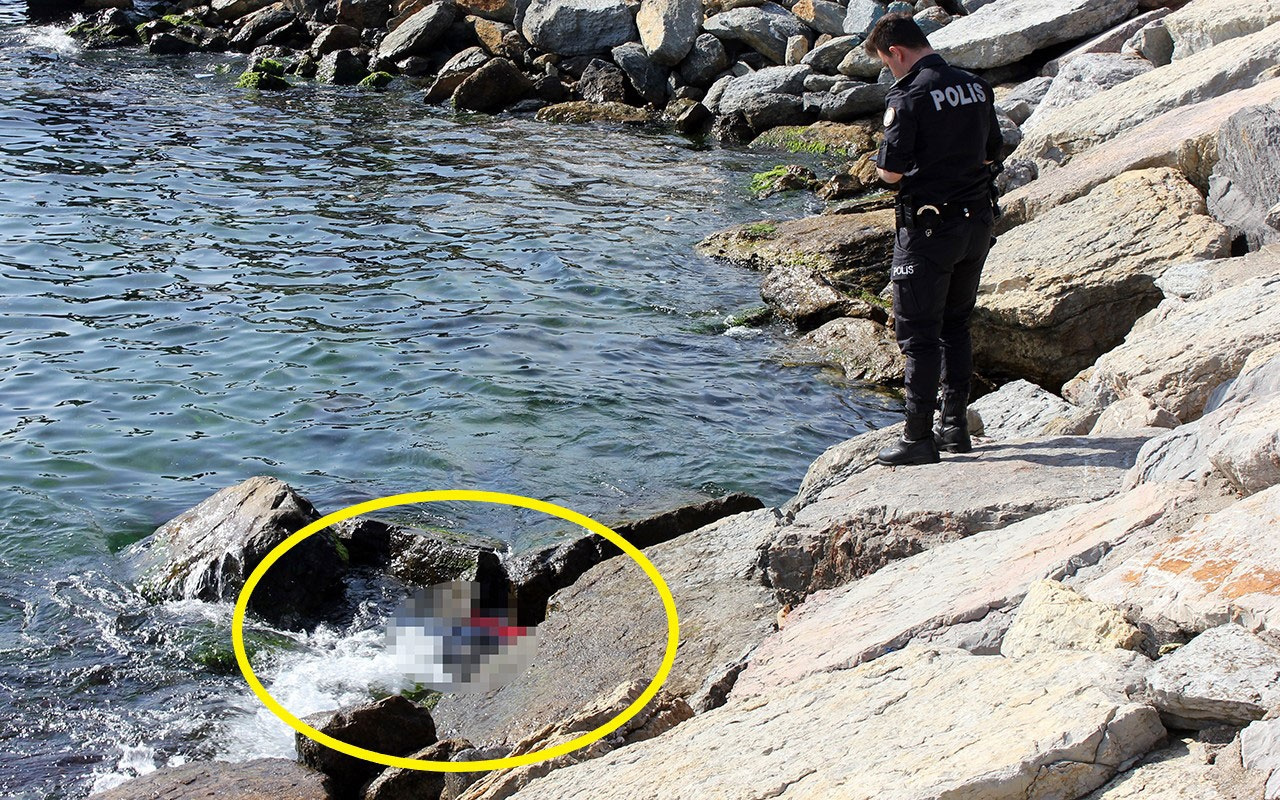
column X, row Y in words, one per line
column 362, row 296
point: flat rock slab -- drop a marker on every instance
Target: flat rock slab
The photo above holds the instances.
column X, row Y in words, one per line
column 1052, row 300
column 609, row 627
column 1224, row 676
column 1019, row 410
column 276, row 778
column 852, row 251
column 1180, row 352
column 1006, row 31
column 952, row 583
column 1225, row 568
column 840, row 461
column 1067, row 132
column 1199, row 26
column 1184, row 138
column 875, row 517
column 916, row 724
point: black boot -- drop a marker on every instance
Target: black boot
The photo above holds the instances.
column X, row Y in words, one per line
column 952, row 433
column 915, row 447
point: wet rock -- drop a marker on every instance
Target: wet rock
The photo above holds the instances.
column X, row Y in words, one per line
column 801, row 296
column 453, row 73
column 647, row 78
column 959, row 581
column 175, row 42
column 669, row 28
column 691, row 118
column 1052, row 301
column 207, row 552
column 427, row 558
column 492, row 87
column 277, row 778
column 1005, row 32
column 541, row 573
column 1159, row 362
column 417, row 35
column 497, row 10
column 822, row 16
column 1218, row 571
column 852, row 251
column 704, row 62
column 1240, row 64
column 865, row 349
column 609, row 627
column 1242, row 184
column 826, row 57
column 393, row 726
column 856, row 179
column 1055, row 617
column 602, row 82
column 1224, row 676
column 335, row 37
column 765, row 28
column 660, row 715
column 1185, row 139
column 1086, row 76
column 107, row 28
column 1066, row 726
column 583, row 111
column 875, row 518
column 396, row 783
column 578, row 27
column 1019, row 410
column 342, row 67
column 1199, row 26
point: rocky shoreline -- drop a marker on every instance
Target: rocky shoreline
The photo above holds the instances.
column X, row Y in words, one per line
column 1085, row 606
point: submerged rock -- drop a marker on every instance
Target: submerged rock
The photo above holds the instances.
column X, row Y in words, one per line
column 207, row 553
column 584, row 111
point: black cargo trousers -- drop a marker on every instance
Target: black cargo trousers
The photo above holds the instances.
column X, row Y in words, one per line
column 935, row 276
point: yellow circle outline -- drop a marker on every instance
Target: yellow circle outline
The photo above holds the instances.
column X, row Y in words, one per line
column 470, row 496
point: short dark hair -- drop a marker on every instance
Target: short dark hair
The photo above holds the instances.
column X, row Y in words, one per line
column 895, row 30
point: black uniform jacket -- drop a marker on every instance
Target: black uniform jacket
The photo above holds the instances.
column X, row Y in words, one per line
column 940, row 128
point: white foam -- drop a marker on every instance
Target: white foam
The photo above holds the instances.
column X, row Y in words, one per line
column 52, row 38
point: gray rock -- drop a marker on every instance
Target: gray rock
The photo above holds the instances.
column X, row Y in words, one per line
column 1028, row 93
column 668, row 28
column 493, row 87
column 770, row 80
column 207, row 552
column 765, row 111
column 1197, row 27
column 865, row 349
column 873, row 518
column 454, row 72
column 397, row 783
column 705, row 61
column 578, row 27
column 861, row 16
column 932, row 20
column 858, row 64
column 228, row 10
column 840, row 462
column 602, row 82
column 765, row 29
column 173, row 43
column 647, row 78
column 851, row 103
column 798, row 295
column 1019, row 410
column 1153, row 43
column 826, row 57
column 335, row 37
column 360, row 14
column 394, row 726
column 1112, row 41
column 1009, row 30
column 1242, row 186
column 1260, row 752
column 1085, row 76
column 1225, row 676
column 254, row 28
column 821, row 15
column 417, row 35
column 249, row 780
column 342, row 67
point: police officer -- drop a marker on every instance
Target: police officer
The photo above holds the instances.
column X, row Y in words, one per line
column 941, row 142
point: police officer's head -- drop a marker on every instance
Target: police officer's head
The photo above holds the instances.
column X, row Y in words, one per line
column 897, row 41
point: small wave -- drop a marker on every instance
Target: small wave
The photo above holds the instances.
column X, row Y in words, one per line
column 51, row 37
column 134, row 763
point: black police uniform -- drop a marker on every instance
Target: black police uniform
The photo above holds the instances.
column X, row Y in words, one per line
column 940, row 130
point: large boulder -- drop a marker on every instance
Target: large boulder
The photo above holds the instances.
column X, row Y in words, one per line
column 1260, row 752
column 647, row 78
column 705, row 61
column 418, row 34
column 1242, row 187
column 578, row 27
column 1180, row 352
column 277, row 778
column 875, row 518
column 823, row 16
column 1225, row 676
column 765, row 28
column 1184, row 138
column 454, row 72
column 394, row 726
column 207, row 552
column 1086, row 76
column 1007, row 31
column 1051, row 301
column 741, row 91
column 609, row 627
column 1202, row 24
column 668, row 28
column 1111, row 41
column 916, row 724
column 1224, row 568
column 1238, row 64
column 851, row 250
column 491, row 88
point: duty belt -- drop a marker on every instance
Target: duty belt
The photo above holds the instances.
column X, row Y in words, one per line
column 929, row 215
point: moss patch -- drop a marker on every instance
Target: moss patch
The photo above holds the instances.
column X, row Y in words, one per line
column 261, row 80
column 376, row 80
column 759, row 231
column 754, row 317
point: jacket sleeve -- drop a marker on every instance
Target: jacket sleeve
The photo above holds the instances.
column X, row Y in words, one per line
column 897, row 153
column 995, row 139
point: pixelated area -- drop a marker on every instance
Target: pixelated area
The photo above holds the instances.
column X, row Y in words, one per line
column 450, row 639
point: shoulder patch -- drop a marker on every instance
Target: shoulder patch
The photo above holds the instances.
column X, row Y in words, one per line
column 890, row 114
